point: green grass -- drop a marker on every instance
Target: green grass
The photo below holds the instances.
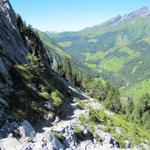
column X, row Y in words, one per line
column 65, row 44
column 91, row 66
column 99, row 119
column 129, row 131
column 80, row 103
column 138, row 90
column 46, row 95
column 58, row 135
column 94, row 56
column 52, row 46
column 130, row 52
column 147, row 39
column 24, row 71
column 56, row 99
column 122, row 40
column 92, row 40
column 134, row 69
column 114, row 64
column 77, row 129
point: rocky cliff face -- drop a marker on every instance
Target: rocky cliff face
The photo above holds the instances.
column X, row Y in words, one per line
column 12, row 51
column 25, row 90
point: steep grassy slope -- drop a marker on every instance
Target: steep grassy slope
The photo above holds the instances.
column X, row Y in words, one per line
column 53, row 46
column 99, row 118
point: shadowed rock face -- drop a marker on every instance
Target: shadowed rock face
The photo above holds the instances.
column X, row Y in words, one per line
column 12, row 51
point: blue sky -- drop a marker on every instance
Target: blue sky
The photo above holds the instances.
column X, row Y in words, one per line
column 72, row 15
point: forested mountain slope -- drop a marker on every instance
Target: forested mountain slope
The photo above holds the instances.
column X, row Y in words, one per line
column 118, row 48
column 59, row 55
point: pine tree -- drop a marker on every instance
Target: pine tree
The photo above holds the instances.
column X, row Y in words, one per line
column 67, row 70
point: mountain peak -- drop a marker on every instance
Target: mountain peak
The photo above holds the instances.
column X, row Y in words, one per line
column 144, row 8
column 142, row 12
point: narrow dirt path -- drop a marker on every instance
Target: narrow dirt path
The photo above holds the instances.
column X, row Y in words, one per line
column 70, row 120
column 73, row 119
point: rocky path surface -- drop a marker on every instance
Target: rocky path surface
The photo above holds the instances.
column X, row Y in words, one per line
column 70, row 121
column 45, row 140
column 73, row 119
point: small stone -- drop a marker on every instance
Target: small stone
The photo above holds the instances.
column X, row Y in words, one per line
column 26, row 130
column 127, row 144
column 48, row 105
column 57, row 119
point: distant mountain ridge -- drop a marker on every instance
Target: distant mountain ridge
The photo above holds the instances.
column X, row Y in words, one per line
column 142, row 12
column 49, row 32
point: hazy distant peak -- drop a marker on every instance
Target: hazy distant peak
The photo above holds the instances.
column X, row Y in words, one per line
column 143, row 9
column 142, row 12
column 49, row 32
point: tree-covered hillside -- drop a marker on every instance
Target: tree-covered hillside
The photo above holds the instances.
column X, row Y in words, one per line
column 118, row 49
